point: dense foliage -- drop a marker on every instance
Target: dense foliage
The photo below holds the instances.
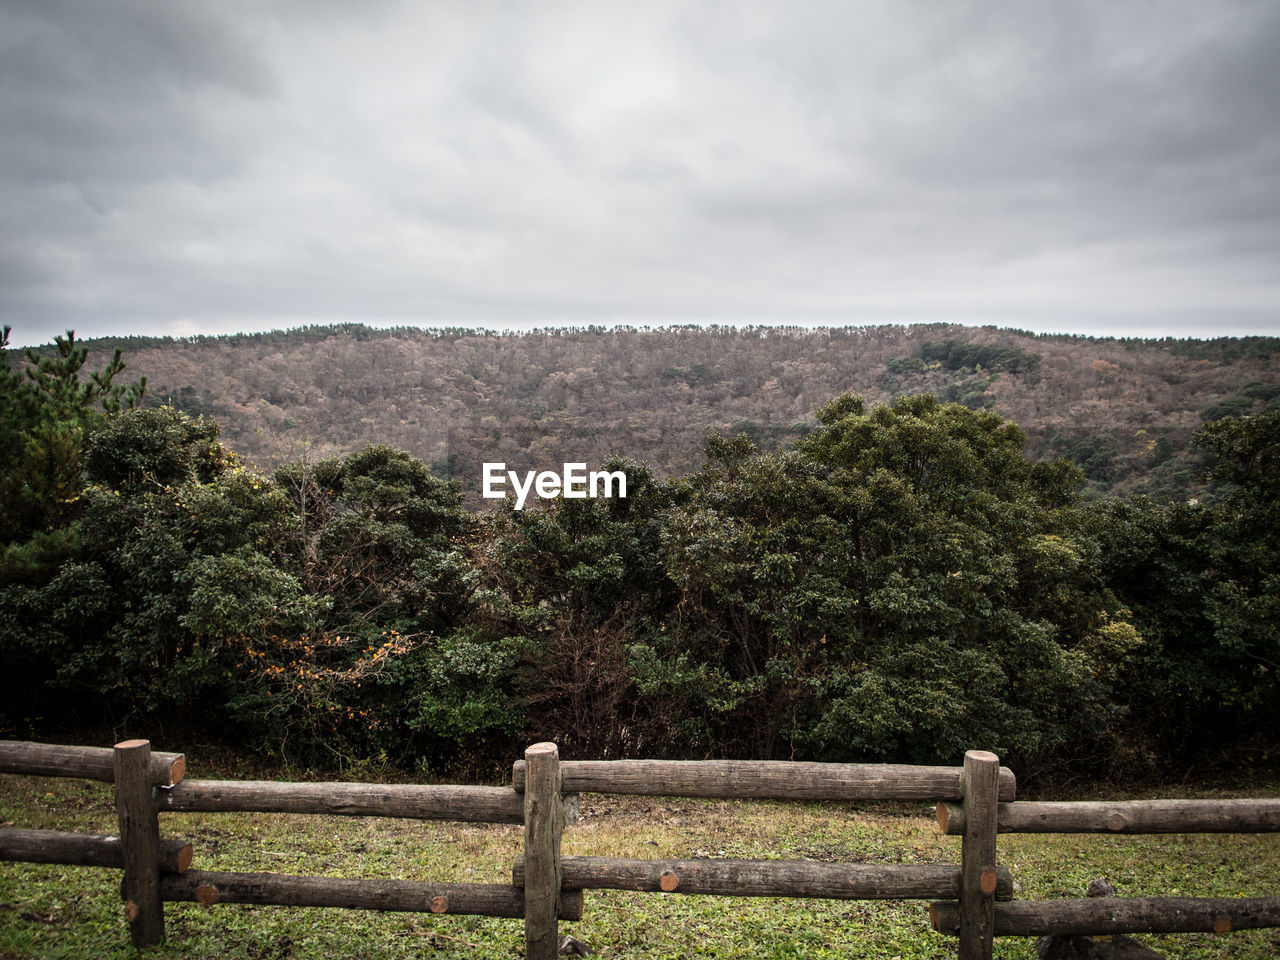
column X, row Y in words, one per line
column 901, row 583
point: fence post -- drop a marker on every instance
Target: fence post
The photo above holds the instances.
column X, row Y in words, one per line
column 978, row 855
column 139, row 842
column 543, row 826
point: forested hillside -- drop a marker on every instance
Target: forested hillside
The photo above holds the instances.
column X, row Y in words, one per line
column 894, row 582
column 1123, row 410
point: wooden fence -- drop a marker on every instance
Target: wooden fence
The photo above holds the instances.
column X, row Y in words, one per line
column 1108, row 916
column 972, row 899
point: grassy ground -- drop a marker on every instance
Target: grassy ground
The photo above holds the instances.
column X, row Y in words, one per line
column 53, row 911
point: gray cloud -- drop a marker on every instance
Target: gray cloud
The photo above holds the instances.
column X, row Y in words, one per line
column 121, row 93
column 186, row 167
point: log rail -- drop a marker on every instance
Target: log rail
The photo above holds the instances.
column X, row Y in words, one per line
column 477, row 899
column 85, row 763
column 765, row 779
column 767, row 878
column 1125, row 816
column 1110, row 916
column 83, row 849
column 418, row 802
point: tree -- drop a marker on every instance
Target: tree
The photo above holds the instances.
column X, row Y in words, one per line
column 578, row 589
column 1203, row 580
column 1243, row 573
column 380, row 536
column 904, row 584
column 45, row 419
column 173, row 561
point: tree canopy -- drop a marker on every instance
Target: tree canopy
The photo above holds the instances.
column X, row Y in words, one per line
column 901, row 582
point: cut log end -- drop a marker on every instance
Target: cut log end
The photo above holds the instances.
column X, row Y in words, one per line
column 132, row 744
column 1221, row 925
column 130, row 911
column 184, row 858
column 943, row 815
column 668, row 881
column 944, row 916
column 987, row 882
column 982, row 756
column 177, row 770
column 439, row 904
column 207, row 894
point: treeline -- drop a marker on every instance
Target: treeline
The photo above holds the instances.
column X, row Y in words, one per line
column 900, row 583
column 1123, row 410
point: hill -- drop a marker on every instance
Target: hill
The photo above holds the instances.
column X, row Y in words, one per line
column 1123, row 409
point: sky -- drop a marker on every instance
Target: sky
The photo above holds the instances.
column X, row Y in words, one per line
column 176, row 167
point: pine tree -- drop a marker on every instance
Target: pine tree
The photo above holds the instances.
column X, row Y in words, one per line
column 46, row 418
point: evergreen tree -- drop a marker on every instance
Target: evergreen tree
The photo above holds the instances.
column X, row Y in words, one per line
column 1202, row 577
column 47, row 417
column 903, row 584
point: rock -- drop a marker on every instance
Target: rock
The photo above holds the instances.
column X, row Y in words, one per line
column 1100, row 888
column 571, row 946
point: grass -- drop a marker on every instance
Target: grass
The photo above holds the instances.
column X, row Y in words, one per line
column 75, row 912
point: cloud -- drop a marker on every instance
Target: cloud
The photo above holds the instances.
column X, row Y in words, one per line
column 106, row 95
column 232, row 165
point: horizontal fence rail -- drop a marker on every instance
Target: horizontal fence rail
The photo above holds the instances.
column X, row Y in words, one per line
column 410, row 801
column 764, row 779
column 87, row 763
column 414, row 896
column 1125, row 816
column 1112, row 915
column 83, row 849
column 766, row 878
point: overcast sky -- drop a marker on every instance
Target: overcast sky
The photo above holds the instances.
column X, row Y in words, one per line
column 1108, row 167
